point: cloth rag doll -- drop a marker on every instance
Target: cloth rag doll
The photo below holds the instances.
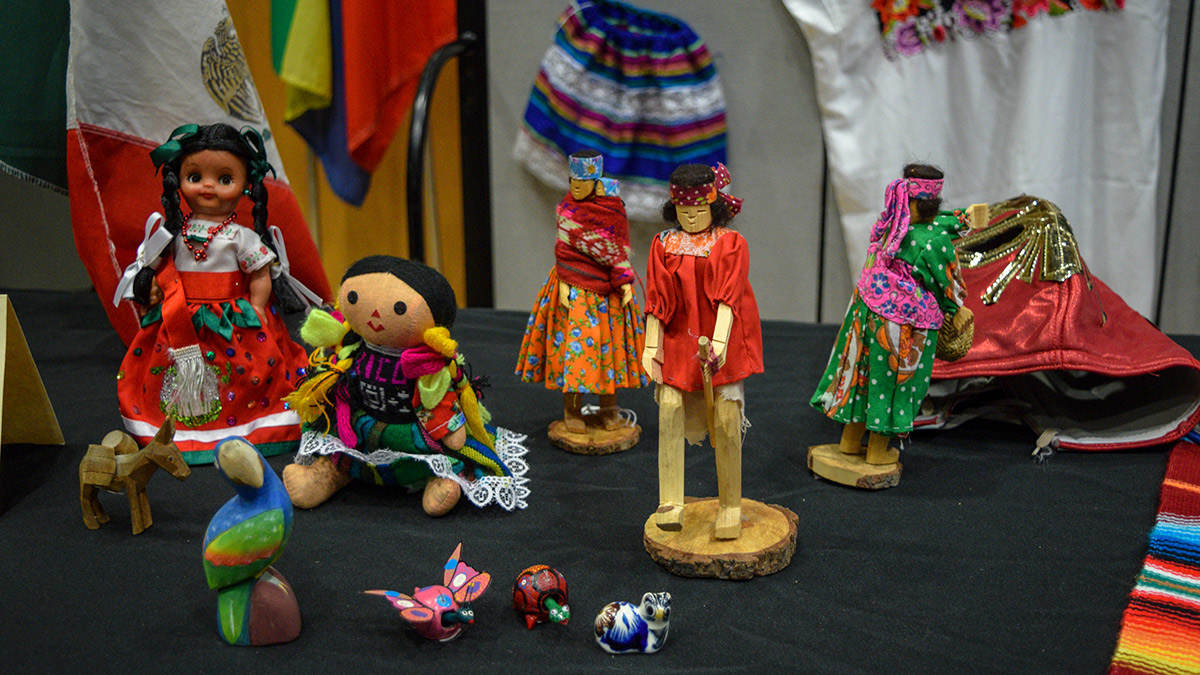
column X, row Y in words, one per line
column 879, row 370
column 212, row 351
column 698, row 286
column 387, row 401
column 586, row 331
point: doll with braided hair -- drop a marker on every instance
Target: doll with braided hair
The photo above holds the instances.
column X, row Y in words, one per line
column 212, row 351
column 386, row 400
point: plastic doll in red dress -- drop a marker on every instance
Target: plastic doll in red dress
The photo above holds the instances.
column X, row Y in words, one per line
column 698, row 287
column 586, row 331
column 212, row 351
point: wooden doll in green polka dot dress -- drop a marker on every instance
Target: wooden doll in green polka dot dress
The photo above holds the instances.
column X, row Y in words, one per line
column 879, row 369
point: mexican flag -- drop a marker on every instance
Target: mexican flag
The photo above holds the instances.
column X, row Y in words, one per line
column 136, row 70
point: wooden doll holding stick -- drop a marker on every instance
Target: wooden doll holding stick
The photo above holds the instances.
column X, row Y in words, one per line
column 698, row 287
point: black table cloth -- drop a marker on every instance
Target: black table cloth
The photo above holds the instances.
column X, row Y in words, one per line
column 981, row 560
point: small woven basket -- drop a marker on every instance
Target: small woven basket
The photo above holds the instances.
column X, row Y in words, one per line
column 955, row 336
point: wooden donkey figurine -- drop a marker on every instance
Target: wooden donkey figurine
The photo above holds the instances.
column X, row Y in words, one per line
column 118, row 466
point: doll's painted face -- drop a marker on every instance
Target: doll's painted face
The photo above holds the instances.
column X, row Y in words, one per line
column 384, row 310
column 694, row 219
column 212, row 182
column 582, row 189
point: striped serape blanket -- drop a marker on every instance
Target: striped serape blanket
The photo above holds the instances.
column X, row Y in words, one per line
column 1160, row 632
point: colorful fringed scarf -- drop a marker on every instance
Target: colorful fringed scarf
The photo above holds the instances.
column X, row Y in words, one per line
column 637, row 86
column 886, row 284
column 1160, row 632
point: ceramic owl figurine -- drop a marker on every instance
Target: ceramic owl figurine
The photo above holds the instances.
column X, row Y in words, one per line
column 255, row 604
column 622, row 628
column 440, row 612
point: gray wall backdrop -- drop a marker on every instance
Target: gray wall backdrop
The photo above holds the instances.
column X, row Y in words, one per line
column 775, row 154
column 776, row 158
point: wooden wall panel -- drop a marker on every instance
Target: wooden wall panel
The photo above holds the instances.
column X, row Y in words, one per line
column 345, row 233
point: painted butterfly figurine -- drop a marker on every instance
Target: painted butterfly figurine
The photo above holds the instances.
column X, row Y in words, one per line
column 440, row 612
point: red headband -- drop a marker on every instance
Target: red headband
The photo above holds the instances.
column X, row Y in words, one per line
column 707, row 193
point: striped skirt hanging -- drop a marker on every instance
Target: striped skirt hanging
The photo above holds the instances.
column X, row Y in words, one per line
column 636, row 85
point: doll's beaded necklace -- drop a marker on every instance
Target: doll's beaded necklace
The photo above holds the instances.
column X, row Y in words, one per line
column 202, row 254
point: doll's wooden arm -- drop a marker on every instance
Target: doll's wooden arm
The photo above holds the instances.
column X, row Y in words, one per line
column 977, row 214
column 626, row 294
column 652, row 353
column 260, row 289
column 721, row 330
column 564, row 294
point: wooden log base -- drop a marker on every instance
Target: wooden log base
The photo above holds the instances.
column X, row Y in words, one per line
column 596, row 440
column 830, row 463
column 766, row 544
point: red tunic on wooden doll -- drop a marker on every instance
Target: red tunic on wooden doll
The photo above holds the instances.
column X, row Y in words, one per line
column 212, row 352
column 689, row 277
column 698, row 287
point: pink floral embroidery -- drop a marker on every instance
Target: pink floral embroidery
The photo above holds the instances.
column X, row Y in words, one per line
column 910, row 26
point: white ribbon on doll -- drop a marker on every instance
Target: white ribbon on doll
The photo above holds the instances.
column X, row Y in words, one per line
column 284, row 270
column 152, row 246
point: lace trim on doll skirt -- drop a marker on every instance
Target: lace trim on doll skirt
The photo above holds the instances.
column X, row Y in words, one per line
column 507, row 492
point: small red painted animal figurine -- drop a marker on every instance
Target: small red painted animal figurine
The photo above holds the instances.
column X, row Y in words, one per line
column 540, row 595
column 118, row 466
column 440, row 612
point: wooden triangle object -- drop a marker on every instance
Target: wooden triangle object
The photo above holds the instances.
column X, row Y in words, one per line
column 26, row 415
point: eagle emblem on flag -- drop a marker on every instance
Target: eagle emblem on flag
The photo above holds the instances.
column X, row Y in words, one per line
column 226, row 74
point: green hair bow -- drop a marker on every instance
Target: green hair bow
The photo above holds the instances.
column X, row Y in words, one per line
column 259, row 166
column 169, row 151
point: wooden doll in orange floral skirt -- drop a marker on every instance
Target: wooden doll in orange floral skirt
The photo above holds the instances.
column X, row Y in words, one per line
column 585, row 332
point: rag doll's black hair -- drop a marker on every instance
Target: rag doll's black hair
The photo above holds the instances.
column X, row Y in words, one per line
column 692, row 175
column 425, row 280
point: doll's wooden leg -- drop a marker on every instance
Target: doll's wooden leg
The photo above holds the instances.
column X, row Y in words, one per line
column 572, row 415
column 878, row 451
column 610, row 415
column 852, row 435
column 728, row 448
column 670, row 458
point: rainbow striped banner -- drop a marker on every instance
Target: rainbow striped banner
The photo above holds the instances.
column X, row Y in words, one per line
column 1160, row 632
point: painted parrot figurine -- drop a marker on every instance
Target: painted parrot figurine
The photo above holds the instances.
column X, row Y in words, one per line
column 255, row 604
column 440, row 612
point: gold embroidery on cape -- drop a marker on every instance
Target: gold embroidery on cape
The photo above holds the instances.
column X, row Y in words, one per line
column 1033, row 227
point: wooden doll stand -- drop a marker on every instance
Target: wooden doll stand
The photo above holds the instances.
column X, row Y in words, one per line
column 830, row 463
column 765, row 546
column 596, row 440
